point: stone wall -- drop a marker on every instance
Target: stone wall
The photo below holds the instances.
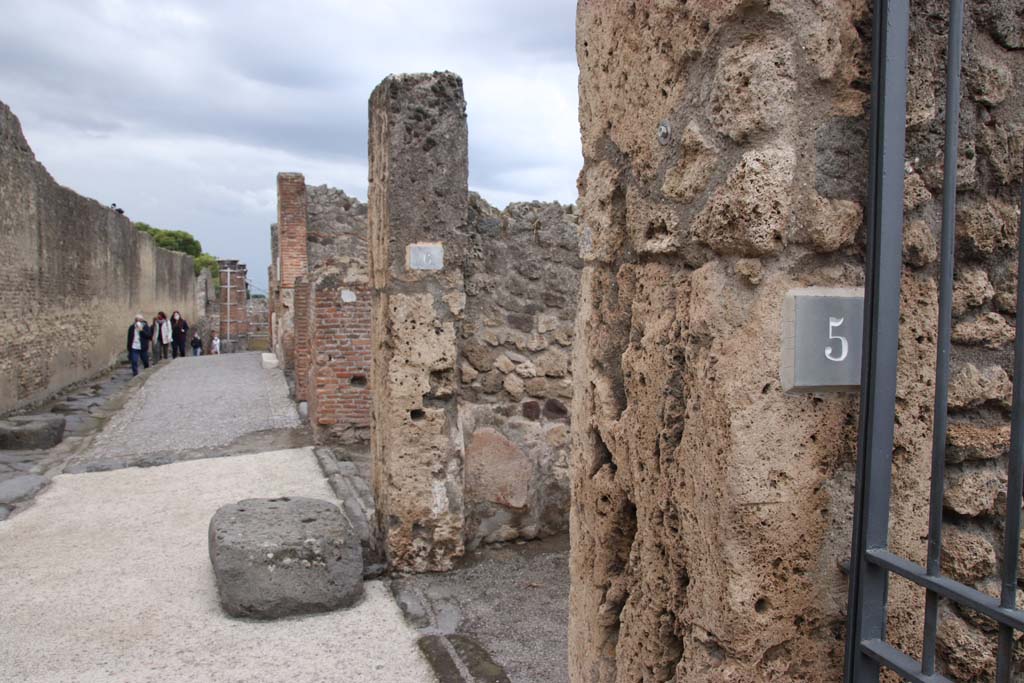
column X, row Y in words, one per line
column 522, row 277
column 340, row 302
column 724, row 164
column 73, row 275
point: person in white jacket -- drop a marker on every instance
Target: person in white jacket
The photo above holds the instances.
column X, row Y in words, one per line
column 161, row 337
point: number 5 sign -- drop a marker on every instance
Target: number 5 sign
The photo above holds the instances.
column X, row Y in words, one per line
column 821, row 339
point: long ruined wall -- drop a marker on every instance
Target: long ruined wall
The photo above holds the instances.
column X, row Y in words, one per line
column 522, row 278
column 73, row 275
column 724, row 164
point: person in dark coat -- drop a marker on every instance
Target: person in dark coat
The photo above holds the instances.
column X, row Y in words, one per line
column 139, row 335
column 179, row 334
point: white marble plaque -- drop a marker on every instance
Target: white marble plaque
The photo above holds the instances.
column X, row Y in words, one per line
column 348, row 296
column 425, row 256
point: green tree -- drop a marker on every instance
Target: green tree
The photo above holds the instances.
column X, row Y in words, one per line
column 183, row 242
column 206, row 261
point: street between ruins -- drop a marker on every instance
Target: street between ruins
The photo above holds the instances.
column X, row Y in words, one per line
column 107, row 575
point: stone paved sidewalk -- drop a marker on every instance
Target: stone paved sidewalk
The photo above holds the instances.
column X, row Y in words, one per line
column 107, row 578
column 190, row 406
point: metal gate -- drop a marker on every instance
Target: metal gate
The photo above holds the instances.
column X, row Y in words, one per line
column 871, row 561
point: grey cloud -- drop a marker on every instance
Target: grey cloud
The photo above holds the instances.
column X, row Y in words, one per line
column 275, row 84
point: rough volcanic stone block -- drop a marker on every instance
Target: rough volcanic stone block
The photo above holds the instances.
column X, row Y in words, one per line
column 31, row 432
column 276, row 557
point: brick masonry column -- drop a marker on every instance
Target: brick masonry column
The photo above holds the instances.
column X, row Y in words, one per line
column 418, row 196
column 292, row 259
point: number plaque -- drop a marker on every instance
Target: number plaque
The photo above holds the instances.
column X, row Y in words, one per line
column 822, row 330
column 425, row 256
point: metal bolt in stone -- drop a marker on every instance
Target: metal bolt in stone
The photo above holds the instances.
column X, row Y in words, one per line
column 664, row 133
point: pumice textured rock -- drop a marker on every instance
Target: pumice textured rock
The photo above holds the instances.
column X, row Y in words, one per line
column 418, row 193
column 277, row 557
column 725, row 163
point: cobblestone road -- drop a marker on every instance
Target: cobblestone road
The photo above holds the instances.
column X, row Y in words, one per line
column 190, row 405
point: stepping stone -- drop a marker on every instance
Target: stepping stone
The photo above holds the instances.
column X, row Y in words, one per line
column 31, row 432
column 20, row 486
column 279, row 557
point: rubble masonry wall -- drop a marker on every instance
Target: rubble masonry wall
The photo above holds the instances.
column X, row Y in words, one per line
column 522, row 274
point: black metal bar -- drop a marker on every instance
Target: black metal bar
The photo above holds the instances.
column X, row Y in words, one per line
column 1015, row 485
column 905, row 666
column 942, row 353
column 982, row 603
column 868, row 582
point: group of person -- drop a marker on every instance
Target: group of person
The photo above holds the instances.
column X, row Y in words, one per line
column 167, row 336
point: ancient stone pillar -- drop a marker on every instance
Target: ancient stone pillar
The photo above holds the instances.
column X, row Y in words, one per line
column 418, row 203
column 725, row 163
column 292, row 259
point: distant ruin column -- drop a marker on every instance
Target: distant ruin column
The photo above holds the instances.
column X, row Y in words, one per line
column 292, row 259
column 233, row 304
column 418, row 202
column 725, row 163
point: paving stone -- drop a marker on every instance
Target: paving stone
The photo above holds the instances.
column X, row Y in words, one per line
column 21, row 486
column 31, row 431
column 276, row 557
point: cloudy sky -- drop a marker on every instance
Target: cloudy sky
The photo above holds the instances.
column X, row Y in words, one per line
column 183, row 111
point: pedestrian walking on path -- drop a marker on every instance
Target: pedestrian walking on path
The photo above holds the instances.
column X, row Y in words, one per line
column 161, row 329
column 139, row 335
column 179, row 333
column 197, row 345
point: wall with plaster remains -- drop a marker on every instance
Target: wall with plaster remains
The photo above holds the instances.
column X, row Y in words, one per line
column 522, row 274
column 72, row 277
column 724, row 164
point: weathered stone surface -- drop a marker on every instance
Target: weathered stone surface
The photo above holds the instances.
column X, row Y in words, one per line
column 748, row 214
column 277, row 557
column 989, row 330
column 832, row 225
column 418, row 194
column 31, row 432
column 20, row 486
column 690, row 176
column 752, row 89
column 986, row 228
column 967, row 654
column 967, row 555
column 919, row 246
column 970, row 387
column 975, row 492
column 971, row 289
column 973, row 441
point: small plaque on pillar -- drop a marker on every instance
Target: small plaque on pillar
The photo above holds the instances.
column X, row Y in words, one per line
column 822, row 330
column 348, row 296
column 424, row 256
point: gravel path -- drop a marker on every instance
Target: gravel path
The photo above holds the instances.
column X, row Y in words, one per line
column 107, row 579
column 191, row 403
